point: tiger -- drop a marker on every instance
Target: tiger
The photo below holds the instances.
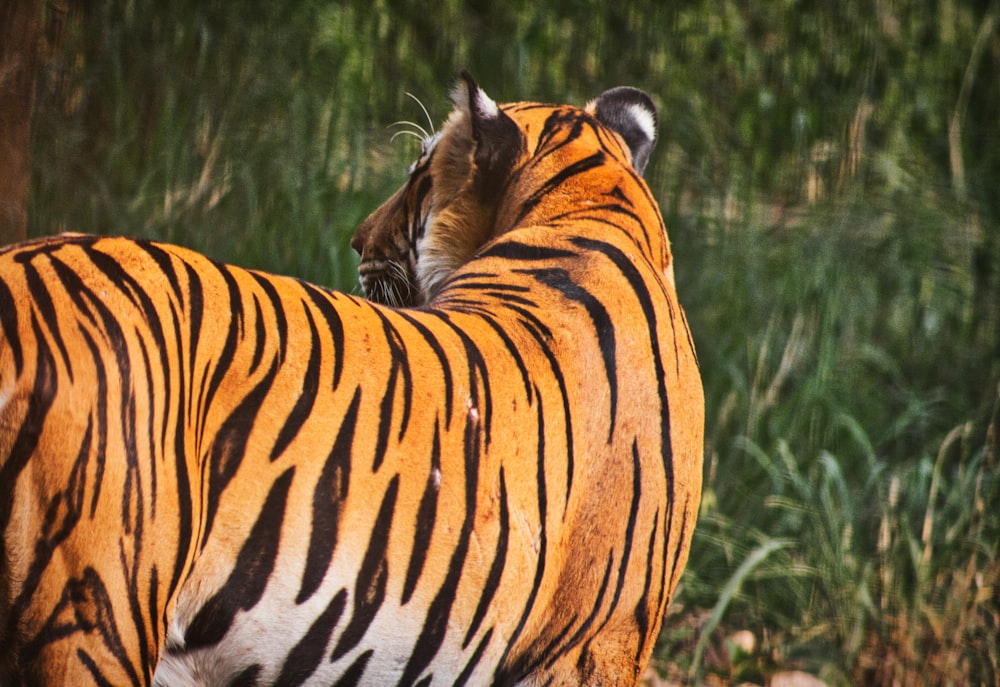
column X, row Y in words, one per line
column 212, row 475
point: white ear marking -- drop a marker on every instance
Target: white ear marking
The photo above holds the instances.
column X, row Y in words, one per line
column 644, row 119
column 485, row 105
column 468, row 94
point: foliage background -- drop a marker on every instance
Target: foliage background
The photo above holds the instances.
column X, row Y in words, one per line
column 829, row 172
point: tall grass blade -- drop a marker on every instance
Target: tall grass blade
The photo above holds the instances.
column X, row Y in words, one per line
column 755, row 558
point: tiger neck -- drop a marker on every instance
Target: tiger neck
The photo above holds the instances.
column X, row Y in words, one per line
column 616, row 206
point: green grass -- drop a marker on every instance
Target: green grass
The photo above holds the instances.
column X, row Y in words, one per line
column 849, row 521
column 842, row 287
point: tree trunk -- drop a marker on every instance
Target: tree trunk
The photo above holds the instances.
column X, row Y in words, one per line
column 19, row 22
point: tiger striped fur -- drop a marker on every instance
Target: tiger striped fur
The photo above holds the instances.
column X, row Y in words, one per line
column 215, row 476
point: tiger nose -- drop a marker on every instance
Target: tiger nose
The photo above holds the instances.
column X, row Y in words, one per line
column 358, row 240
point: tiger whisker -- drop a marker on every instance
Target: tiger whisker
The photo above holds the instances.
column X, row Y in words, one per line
column 430, row 122
column 420, row 136
column 404, row 279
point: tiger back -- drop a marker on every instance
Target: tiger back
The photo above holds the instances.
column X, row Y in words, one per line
column 215, row 476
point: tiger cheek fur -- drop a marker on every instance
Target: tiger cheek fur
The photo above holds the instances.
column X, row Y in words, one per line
column 215, row 476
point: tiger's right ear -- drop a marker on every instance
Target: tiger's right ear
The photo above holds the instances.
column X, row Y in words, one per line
column 632, row 115
column 498, row 141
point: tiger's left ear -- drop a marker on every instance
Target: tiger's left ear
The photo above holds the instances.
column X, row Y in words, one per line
column 498, row 142
column 631, row 114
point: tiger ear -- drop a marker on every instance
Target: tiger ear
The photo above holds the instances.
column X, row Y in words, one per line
column 496, row 138
column 631, row 114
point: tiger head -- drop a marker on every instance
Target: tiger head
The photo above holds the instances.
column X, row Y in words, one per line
column 488, row 171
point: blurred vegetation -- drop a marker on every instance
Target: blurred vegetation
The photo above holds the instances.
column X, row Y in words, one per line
column 829, row 172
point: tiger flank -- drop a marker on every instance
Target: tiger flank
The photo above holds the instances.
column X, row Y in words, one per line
column 488, row 476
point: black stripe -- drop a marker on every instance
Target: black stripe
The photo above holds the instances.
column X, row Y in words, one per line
column 253, row 567
column 352, row 676
column 568, row 172
column 154, row 603
column 635, row 280
column 672, row 315
column 604, row 328
column 76, row 487
column 8, row 322
column 622, row 569
column 633, row 517
column 513, row 350
column 626, row 552
column 200, row 410
column 481, row 281
column 399, row 370
column 131, row 568
column 166, row 265
column 183, row 489
column 690, row 340
column 150, row 406
column 112, row 269
column 560, row 121
column 674, row 570
column 618, row 194
column 483, row 401
column 502, row 297
column 334, row 326
column 477, row 366
column 42, row 301
column 510, row 249
column 226, row 355
column 259, row 336
column 477, row 656
column 602, row 214
column 417, row 226
column 92, row 306
column 328, row 503
column 446, row 374
column 87, row 602
column 95, row 671
column 641, row 614
column 426, row 517
column 369, row 588
column 280, row 321
column 230, row 445
column 248, row 677
column 101, row 412
column 508, row 674
column 306, row 656
column 183, row 399
column 385, row 417
column 401, row 367
column 465, row 275
column 496, row 568
column 436, row 625
column 543, row 337
column 539, row 330
column 307, row 397
column 549, row 654
column 195, row 317
column 643, row 188
column 70, row 502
